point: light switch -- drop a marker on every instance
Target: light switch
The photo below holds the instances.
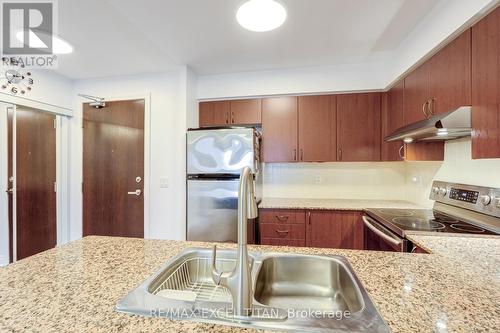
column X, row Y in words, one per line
column 318, row 179
column 163, row 182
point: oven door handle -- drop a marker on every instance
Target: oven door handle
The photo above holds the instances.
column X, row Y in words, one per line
column 368, row 222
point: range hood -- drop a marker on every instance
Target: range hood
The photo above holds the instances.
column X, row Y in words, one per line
column 446, row 126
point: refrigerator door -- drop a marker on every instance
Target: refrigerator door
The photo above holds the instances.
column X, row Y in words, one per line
column 212, row 210
column 221, row 151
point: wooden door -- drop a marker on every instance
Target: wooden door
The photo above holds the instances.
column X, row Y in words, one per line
column 246, row 111
column 317, row 128
column 416, row 94
column 113, row 169
column 486, row 87
column 392, row 119
column 10, row 180
column 279, row 129
column 35, row 182
column 334, row 229
column 450, row 75
column 358, row 127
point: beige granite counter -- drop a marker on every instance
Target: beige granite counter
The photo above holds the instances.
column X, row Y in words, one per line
column 74, row 288
column 333, row 204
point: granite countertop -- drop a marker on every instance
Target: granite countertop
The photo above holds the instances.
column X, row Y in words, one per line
column 75, row 287
column 334, row 204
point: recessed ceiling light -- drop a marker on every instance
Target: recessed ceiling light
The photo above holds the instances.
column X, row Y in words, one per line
column 59, row 45
column 408, row 140
column 261, row 15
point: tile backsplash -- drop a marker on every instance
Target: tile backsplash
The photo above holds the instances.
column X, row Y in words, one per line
column 387, row 180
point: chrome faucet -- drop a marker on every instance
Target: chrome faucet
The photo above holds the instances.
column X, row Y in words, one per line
column 239, row 280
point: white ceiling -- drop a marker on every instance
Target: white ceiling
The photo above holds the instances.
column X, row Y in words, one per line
column 119, row 37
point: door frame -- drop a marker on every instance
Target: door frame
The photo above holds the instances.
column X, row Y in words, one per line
column 147, row 153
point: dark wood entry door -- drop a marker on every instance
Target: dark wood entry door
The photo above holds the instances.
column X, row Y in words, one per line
column 113, row 169
column 36, row 228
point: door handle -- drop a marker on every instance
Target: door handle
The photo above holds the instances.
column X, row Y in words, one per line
column 136, row 192
column 9, row 191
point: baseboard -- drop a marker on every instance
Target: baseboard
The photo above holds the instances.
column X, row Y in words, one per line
column 4, row 261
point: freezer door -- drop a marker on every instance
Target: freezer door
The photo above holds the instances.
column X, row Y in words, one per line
column 221, row 151
column 212, row 207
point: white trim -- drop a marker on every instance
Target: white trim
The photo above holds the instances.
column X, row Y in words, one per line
column 22, row 101
column 147, row 153
column 4, row 185
column 14, row 184
column 62, row 179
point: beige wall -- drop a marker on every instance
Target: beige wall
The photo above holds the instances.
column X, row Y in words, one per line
column 395, row 180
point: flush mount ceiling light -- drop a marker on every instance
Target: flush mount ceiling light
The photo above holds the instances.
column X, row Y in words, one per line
column 261, row 15
column 59, row 45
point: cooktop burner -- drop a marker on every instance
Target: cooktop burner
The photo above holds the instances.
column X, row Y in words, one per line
column 423, row 220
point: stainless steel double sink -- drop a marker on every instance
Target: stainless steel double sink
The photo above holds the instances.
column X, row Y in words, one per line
column 291, row 292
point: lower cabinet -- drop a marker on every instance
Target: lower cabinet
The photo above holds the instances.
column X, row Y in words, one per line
column 312, row 228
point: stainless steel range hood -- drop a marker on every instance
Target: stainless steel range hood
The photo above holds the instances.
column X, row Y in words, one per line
column 446, row 126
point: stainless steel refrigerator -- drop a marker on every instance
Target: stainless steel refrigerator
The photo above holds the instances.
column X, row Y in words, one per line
column 215, row 158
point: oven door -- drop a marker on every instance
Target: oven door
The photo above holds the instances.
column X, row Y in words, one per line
column 379, row 238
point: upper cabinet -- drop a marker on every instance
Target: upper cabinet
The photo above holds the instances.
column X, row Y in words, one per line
column 358, row 127
column 227, row 113
column 317, row 128
column 280, row 129
column 392, row 119
column 486, row 87
column 440, row 84
column 246, row 111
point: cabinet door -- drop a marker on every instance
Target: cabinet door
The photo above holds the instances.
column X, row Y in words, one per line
column 450, row 75
column 334, row 229
column 358, row 127
column 206, row 114
column 416, row 94
column 246, row 112
column 279, row 129
column 317, row 137
column 221, row 113
column 392, row 119
column 486, row 87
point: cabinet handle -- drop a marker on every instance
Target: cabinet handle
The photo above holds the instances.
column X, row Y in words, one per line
column 295, row 154
column 309, row 218
column 424, row 108
column 301, row 154
column 226, row 118
column 432, row 108
column 282, row 218
column 340, row 154
column 402, row 152
column 282, row 233
column 232, row 117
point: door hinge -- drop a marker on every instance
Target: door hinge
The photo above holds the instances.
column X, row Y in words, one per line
column 55, row 123
column 55, row 186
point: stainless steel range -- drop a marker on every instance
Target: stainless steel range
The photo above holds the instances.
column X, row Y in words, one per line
column 458, row 209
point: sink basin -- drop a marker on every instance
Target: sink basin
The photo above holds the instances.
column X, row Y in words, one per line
column 316, row 283
column 291, row 292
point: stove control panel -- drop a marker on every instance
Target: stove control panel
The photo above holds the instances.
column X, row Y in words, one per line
column 481, row 199
column 464, row 195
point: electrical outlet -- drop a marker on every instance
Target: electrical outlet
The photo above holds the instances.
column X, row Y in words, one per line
column 163, row 182
column 318, row 179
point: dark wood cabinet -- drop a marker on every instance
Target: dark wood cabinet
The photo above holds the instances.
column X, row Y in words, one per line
column 392, row 119
column 214, row 113
column 317, row 128
column 334, row 229
column 450, row 75
column 416, row 94
column 358, row 127
column 246, row 111
column 486, row 87
column 313, row 228
column 279, row 129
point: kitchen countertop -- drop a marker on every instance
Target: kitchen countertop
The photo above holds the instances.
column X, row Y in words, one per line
column 333, row 204
column 75, row 287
